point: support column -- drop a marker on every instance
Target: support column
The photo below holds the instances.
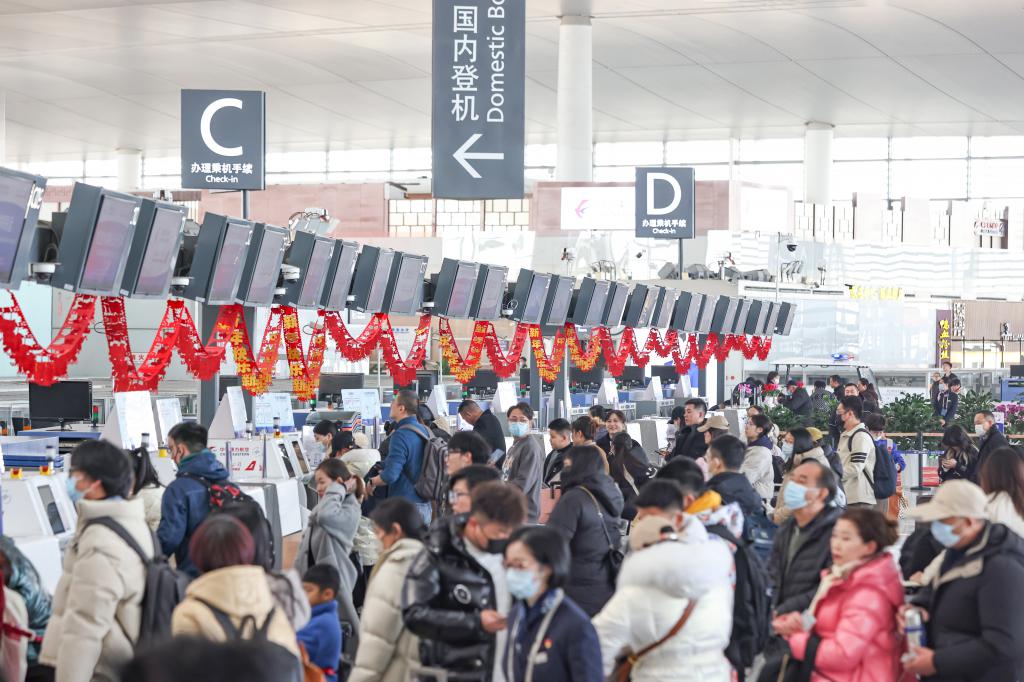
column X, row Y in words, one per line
column 575, row 94
column 129, row 170
column 818, row 163
column 3, row 127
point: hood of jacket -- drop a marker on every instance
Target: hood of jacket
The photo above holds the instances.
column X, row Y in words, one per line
column 203, row 463
column 235, row 590
column 815, row 453
column 360, row 460
column 762, row 442
column 125, row 512
column 403, row 551
column 604, row 489
column 685, row 568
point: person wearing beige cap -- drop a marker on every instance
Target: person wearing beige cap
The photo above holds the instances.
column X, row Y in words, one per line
column 973, row 607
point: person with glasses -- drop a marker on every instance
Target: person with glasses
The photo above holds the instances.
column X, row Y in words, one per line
column 461, row 484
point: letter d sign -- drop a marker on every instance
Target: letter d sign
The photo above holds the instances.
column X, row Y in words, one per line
column 664, row 203
column 677, row 194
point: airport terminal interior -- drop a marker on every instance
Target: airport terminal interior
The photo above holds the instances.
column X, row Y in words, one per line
column 511, row 340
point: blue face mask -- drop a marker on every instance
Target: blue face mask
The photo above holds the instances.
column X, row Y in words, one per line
column 73, row 492
column 795, row 495
column 522, row 583
column 787, row 450
column 518, row 429
column 944, row 534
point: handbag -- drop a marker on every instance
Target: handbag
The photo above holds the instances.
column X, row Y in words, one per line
column 624, row 664
column 614, row 558
column 800, row 671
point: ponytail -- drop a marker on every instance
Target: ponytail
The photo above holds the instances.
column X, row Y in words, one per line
column 335, row 469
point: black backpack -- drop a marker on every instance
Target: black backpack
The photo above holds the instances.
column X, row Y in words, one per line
column 752, row 607
column 432, row 481
column 165, row 586
column 227, row 498
column 257, row 633
column 883, row 476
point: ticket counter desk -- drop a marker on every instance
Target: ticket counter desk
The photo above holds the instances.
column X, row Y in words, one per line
column 39, row 516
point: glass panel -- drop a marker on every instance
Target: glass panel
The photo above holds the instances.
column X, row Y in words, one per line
column 541, row 154
column 295, row 178
column 997, row 146
column 359, row 160
column 628, row 153
column 711, row 171
column 163, row 165
column 615, row 174
column 929, row 179
column 858, row 148
column 296, row 162
column 543, row 174
column 101, row 167
column 790, row 175
column 56, row 169
column 869, row 177
column 697, row 151
column 411, row 159
column 997, row 178
column 791, row 149
column 108, row 182
column 928, row 147
column 359, row 177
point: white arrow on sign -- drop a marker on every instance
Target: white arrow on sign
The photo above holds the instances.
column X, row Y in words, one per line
column 462, row 155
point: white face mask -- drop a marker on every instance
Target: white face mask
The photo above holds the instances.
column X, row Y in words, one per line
column 980, row 429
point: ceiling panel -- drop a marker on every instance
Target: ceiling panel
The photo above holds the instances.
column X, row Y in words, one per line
column 899, row 31
column 979, row 80
column 798, row 36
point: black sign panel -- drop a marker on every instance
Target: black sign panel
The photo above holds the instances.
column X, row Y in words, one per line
column 223, row 139
column 478, row 91
column 664, row 203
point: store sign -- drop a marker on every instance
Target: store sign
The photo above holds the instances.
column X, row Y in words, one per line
column 223, row 139
column 664, row 203
column 942, row 336
column 958, row 320
column 859, row 293
column 598, row 208
column 1006, row 333
column 989, row 227
column 478, row 95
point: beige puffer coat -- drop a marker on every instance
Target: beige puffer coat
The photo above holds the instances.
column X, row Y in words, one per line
column 386, row 647
column 238, row 591
column 97, row 606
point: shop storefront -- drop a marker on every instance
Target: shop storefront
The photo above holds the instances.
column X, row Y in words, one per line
column 980, row 334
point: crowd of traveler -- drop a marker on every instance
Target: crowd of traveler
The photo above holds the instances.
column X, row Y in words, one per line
column 768, row 556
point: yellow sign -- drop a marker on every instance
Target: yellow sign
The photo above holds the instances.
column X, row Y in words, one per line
column 860, row 293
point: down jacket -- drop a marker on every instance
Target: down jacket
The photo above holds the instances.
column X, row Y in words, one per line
column 386, row 647
column 655, row 586
column 97, row 606
column 26, row 582
column 794, row 584
column 856, row 620
column 575, row 516
column 757, row 467
column 328, row 540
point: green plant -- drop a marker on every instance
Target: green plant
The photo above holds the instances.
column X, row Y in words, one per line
column 971, row 403
column 910, row 413
column 784, row 418
column 821, row 418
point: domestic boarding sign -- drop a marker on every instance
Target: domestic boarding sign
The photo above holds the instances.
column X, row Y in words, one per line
column 223, row 139
column 664, row 203
column 478, row 93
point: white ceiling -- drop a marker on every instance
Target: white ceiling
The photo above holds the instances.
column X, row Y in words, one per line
column 90, row 76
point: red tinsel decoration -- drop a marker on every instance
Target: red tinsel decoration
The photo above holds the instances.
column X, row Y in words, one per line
column 46, row 366
column 353, row 348
column 256, row 374
column 204, row 360
column 505, row 364
column 755, row 346
column 616, row 357
column 587, row 359
column 303, row 368
column 547, row 367
column 463, row 368
column 403, row 371
column 666, row 348
column 126, row 374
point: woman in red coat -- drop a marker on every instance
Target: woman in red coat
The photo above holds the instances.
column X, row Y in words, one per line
column 853, row 614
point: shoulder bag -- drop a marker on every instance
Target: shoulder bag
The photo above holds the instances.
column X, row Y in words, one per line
column 614, row 558
column 624, row 664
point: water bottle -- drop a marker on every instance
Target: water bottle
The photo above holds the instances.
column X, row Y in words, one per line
column 914, row 629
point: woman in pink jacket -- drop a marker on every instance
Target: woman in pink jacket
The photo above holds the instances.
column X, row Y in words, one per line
column 853, row 615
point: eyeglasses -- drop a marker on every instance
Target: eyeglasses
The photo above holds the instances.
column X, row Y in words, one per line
column 454, row 495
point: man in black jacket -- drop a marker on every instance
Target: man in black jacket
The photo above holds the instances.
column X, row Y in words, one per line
column 990, row 438
column 560, row 435
column 689, row 441
column 800, row 552
column 455, row 595
column 974, row 606
column 836, row 383
column 487, row 425
column 798, row 402
column 725, row 457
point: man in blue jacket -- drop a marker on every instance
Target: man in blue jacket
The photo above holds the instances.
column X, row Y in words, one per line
column 405, row 453
column 186, row 501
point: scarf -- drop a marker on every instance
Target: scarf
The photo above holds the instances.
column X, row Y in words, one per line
column 834, row 576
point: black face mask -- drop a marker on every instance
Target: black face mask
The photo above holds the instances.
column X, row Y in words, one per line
column 496, row 546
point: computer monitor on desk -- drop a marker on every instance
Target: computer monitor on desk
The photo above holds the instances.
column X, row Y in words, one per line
column 63, row 403
column 484, row 383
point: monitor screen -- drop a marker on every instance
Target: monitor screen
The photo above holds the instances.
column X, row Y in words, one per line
column 663, row 316
column 161, row 253
column 111, row 240
column 536, row 298
column 286, row 459
column 739, row 323
column 461, row 299
column 50, row 505
column 303, row 464
column 15, row 194
column 343, row 276
column 597, row 303
column 616, row 305
column 316, row 273
column 228, row 270
column 408, row 292
column 648, row 309
column 493, row 294
column 692, row 320
column 266, row 268
column 561, row 297
column 707, row 313
column 379, row 285
column 66, row 401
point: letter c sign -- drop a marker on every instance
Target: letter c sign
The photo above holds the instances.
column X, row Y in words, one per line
column 207, row 119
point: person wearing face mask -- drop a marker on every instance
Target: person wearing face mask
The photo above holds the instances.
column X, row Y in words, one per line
column 973, row 608
column 848, row 633
column 797, row 446
column 97, row 606
column 857, row 453
column 550, row 637
column 676, row 581
column 455, row 597
column 386, row 648
column 949, row 403
column 990, row 438
column 331, row 530
column 757, row 460
column 524, row 461
column 334, row 441
column 186, row 501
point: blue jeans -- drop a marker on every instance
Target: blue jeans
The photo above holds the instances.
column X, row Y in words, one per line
column 425, row 511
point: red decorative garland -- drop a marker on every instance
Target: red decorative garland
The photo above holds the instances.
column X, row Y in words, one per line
column 403, row 371
column 256, row 374
column 616, row 357
column 463, row 368
column 665, row 348
column 126, row 374
column 303, row 368
column 46, row 366
column 586, row 359
column 505, row 364
column 547, row 367
column 353, row 348
column 203, row 361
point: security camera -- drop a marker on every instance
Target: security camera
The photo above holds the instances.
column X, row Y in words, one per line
column 290, row 273
column 792, row 247
column 179, row 284
column 42, row 272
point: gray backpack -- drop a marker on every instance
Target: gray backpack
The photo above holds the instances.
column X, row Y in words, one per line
column 432, row 482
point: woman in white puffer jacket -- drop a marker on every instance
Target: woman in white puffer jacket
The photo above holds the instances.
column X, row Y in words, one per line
column 654, row 589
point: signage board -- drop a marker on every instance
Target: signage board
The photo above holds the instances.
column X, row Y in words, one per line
column 664, row 203
column 597, row 208
column 223, row 139
column 365, row 401
column 989, row 227
column 168, row 412
column 478, row 92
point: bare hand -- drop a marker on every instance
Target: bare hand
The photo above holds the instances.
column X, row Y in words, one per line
column 920, row 662
column 788, row 624
column 901, row 615
column 492, row 621
column 948, row 464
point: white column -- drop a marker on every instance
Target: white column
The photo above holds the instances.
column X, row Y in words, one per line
column 3, row 127
column 129, row 170
column 818, row 163
column 575, row 97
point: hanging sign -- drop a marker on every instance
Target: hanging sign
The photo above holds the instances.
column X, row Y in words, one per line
column 664, row 203
column 223, row 139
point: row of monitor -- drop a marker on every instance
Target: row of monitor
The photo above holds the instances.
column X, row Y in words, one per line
column 112, row 243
